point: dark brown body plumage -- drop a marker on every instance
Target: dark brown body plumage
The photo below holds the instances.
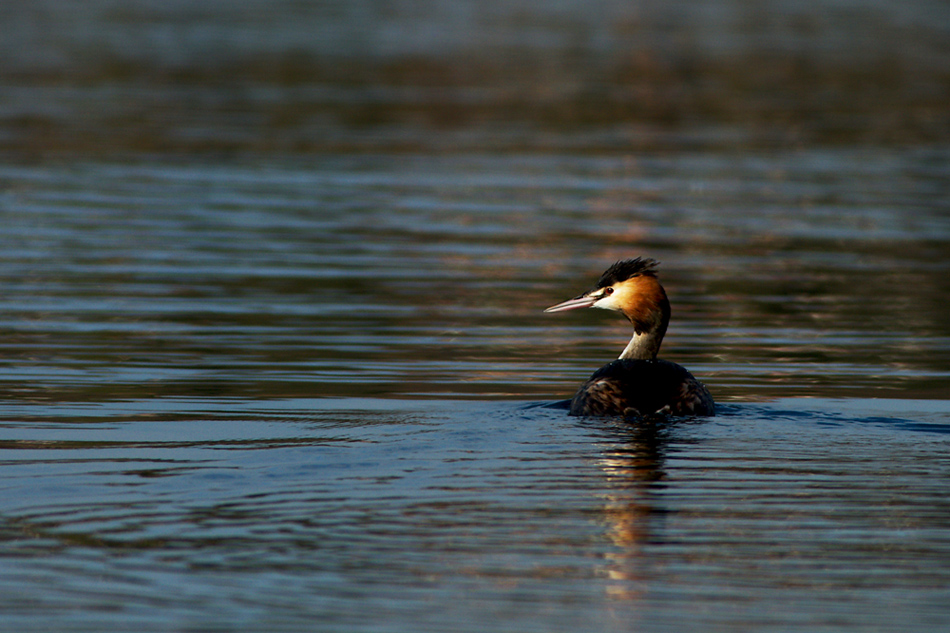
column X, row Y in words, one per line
column 642, row 388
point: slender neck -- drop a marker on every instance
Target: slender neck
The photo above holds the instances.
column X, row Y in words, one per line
column 649, row 326
column 643, row 346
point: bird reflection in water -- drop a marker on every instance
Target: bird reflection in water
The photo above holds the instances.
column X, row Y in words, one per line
column 632, row 463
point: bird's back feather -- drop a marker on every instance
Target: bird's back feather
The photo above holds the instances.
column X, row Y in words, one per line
column 642, row 388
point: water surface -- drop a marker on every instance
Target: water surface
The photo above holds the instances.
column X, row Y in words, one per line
column 272, row 349
column 262, row 396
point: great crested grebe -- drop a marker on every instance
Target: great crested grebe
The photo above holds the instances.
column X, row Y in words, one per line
column 637, row 384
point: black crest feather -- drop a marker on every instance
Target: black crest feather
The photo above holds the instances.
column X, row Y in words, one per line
column 627, row 268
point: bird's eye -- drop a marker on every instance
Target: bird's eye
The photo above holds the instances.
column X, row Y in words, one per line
column 608, row 291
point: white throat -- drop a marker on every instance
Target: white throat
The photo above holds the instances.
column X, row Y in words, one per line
column 642, row 346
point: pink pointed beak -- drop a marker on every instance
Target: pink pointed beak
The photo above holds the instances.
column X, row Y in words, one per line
column 583, row 301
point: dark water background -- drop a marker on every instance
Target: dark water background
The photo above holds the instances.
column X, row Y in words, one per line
column 272, row 354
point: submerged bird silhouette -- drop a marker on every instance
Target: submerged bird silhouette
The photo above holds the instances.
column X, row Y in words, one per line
column 637, row 384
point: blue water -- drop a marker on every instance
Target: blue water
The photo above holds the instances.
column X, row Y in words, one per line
column 367, row 514
column 272, row 348
column 266, row 397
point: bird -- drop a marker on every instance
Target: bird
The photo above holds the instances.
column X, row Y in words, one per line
column 637, row 384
